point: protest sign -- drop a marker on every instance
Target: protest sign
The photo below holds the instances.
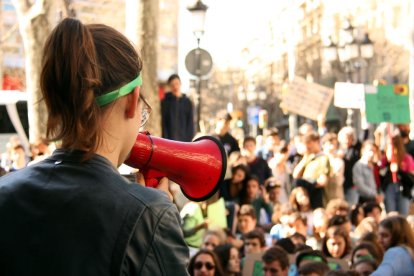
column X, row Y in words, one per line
column 253, row 265
column 306, row 99
column 349, row 95
column 387, row 103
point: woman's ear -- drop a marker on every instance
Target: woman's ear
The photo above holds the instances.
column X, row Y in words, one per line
column 132, row 103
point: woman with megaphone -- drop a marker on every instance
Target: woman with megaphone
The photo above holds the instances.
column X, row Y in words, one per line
column 73, row 213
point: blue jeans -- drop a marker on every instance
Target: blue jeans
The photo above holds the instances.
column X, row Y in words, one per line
column 352, row 196
column 395, row 201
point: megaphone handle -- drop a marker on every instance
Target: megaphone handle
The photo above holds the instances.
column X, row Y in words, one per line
column 152, row 177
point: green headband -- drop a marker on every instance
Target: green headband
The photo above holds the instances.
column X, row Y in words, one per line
column 312, row 258
column 124, row 90
column 367, row 257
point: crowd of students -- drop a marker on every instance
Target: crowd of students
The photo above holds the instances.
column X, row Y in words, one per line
column 324, row 204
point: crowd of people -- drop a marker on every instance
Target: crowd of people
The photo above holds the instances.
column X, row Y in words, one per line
column 323, row 204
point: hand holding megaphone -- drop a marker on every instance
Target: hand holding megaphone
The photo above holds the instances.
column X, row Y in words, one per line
column 151, row 177
column 198, row 167
column 162, row 184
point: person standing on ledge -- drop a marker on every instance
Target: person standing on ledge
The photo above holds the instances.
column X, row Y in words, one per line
column 177, row 113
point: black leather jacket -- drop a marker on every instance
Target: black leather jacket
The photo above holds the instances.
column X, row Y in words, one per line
column 67, row 217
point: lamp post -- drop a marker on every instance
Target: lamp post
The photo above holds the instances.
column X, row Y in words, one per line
column 198, row 12
column 352, row 54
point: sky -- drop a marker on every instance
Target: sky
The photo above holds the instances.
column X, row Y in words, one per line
column 230, row 26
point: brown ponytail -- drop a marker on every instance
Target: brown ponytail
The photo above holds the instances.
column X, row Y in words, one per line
column 81, row 62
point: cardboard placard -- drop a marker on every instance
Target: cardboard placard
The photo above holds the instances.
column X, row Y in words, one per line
column 253, row 265
column 306, row 99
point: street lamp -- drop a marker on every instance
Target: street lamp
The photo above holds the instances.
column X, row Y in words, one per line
column 198, row 61
column 198, row 12
column 352, row 54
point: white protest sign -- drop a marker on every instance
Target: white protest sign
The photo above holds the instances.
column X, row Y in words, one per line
column 349, row 95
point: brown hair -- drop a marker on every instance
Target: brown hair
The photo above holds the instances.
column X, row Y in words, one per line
column 318, row 268
column 173, row 77
column 312, row 136
column 247, row 210
column 336, row 231
column 401, row 232
column 292, row 198
column 218, row 268
column 376, row 252
column 249, row 139
column 276, row 253
column 81, row 62
column 329, row 137
column 335, row 205
column 399, row 149
column 256, row 234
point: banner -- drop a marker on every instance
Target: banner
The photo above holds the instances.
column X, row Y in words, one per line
column 387, row 103
column 306, row 99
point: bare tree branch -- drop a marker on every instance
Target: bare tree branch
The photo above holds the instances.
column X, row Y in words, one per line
column 36, row 9
column 68, row 11
column 21, row 6
column 9, row 33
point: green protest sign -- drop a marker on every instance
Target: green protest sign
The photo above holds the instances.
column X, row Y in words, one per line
column 387, row 103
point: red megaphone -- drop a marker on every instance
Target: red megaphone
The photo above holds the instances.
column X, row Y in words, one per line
column 198, row 167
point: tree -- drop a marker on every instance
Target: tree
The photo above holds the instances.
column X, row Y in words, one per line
column 1, row 43
column 35, row 25
column 3, row 38
column 143, row 31
column 34, row 28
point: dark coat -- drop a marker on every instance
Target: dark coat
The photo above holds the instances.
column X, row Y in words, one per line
column 67, row 217
column 177, row 118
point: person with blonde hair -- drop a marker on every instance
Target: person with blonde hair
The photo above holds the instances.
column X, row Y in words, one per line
column 213, row 238
column 397, row 238
column 367, row 225
column 320, row 225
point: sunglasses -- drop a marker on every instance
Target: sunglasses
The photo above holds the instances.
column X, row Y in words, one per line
column 199, row 265
column 145, row 112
